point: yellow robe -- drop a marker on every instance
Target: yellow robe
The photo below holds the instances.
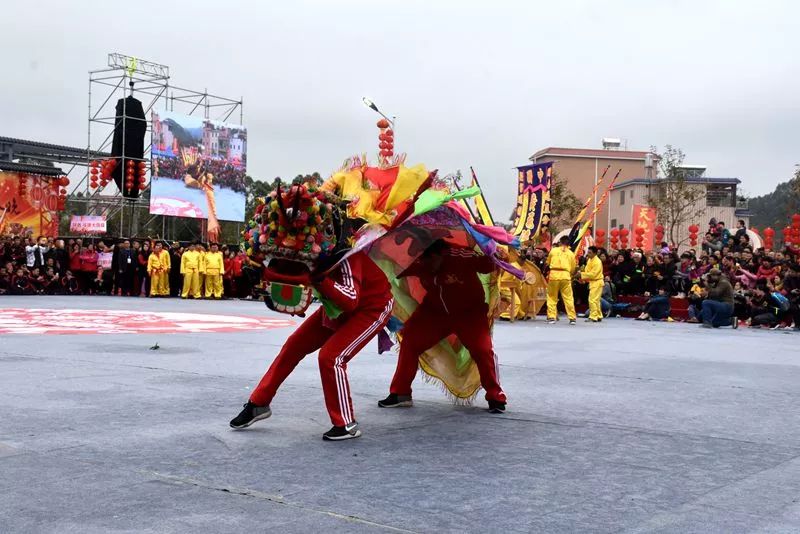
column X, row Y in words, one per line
column 158, row 266
column 561, row 261
column 214, row 269
column 593, row 273
column 190, row 269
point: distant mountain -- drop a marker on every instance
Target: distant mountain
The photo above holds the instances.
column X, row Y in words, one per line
column 775, row 209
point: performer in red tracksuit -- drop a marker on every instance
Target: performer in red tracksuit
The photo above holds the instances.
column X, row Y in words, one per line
column 360, row 290
column 454, row 303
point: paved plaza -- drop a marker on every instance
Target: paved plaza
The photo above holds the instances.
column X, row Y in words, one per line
column 619, row 427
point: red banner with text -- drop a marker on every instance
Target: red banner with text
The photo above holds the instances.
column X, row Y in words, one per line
column 644, row 224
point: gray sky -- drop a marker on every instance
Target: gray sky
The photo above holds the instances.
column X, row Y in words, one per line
column 472, row 83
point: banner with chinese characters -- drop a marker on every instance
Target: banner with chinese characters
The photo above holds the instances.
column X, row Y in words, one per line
column 644, row 217
column 532, row 213
column 28, row 205
column 87, row 224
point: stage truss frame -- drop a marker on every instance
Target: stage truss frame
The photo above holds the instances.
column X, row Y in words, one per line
column 150, row 82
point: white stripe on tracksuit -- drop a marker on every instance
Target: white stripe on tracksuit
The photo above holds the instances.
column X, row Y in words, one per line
column 347, row 288
column 342, row 386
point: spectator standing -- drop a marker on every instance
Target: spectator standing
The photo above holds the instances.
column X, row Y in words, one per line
column 142, row 272
column 124, row 265
column 60, row 257
column 175, row 269
column 88, row 265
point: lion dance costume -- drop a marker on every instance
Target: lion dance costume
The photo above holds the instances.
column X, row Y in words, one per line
column 346, row 243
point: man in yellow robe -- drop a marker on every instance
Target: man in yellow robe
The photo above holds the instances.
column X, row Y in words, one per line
column 561, row 262
column 190, row 269
column 593, row 274
column 214, row 268
column 158, row 266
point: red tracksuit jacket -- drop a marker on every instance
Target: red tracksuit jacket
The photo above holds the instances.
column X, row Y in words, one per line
column 356, row 283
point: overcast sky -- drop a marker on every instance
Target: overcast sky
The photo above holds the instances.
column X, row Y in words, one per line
column 472, row 83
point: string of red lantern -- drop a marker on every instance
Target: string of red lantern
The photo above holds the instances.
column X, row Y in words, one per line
column 599, row 237
column 693, row 229
column 385, row 139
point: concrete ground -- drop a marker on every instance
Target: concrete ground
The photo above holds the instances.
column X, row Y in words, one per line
column 619, row 427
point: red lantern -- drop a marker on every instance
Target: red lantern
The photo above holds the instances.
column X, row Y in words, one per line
column 64, row 181
column 383, row 124
column 94, row 164
column 389, row 146
column 95, row 171
column 384, row 145
column 614, row 232
column 796, row 219
column 389, row 133
column 382, row 137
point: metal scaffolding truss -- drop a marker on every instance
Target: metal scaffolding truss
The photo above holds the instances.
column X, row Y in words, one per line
column 150, row 83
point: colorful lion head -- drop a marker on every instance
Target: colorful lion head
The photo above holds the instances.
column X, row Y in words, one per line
column 294, row 228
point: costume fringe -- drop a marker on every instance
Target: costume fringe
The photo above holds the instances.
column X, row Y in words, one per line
column 457, row 401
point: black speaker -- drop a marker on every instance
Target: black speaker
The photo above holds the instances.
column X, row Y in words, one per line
column 130, row 124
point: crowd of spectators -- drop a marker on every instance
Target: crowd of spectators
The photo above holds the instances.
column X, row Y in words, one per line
column 765, row 284
column 225, row 174
column 48, row 266
column 760, row 288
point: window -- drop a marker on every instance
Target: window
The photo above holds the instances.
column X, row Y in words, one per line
column 621, row 198
column 613, row 223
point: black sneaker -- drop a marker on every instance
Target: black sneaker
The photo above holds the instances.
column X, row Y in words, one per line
column 572, row 322
column 396, row 401
column 497, row 407
column 249, row 415
column 340, row 433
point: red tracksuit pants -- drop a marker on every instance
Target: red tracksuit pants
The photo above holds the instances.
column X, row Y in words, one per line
column 427, row 327
column 336, row 348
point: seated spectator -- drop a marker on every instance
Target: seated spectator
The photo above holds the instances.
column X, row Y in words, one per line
column 5, row 280
column 791, row 288
column 765, row 310
column 70, row 285
column 718, row 303
column 100, row 284
column 20, row 285
column 657, row 307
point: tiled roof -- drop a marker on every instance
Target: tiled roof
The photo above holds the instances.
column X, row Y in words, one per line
column 9, row 166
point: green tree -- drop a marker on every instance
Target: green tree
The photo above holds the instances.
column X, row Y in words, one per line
column 775, row 209
column 677, row 201
column 564, row 205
